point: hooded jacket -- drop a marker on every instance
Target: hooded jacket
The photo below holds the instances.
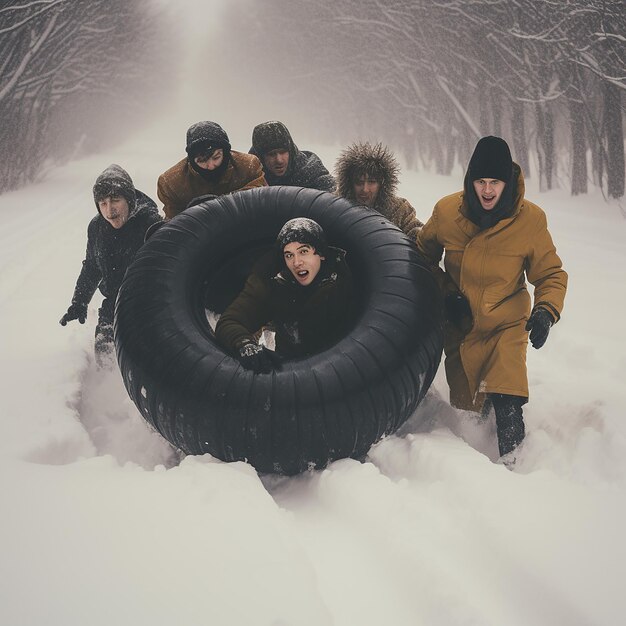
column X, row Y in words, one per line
column 305, row 168
column 490, row 267
column 379, row 162
column 181, row 183
column 110, row 251
column 306, row 319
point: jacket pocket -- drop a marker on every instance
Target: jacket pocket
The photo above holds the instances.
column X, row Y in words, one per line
column 500, row 308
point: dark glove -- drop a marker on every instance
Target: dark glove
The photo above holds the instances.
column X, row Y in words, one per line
column 258, row 358
column 458, row 310
column 539, row 324
column 75, row 312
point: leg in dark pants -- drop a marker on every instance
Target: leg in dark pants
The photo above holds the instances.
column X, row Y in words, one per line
column 509, row 420
column 104, row 346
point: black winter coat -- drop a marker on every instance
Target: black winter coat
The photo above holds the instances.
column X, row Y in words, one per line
column 306, row 319
column 110, row 251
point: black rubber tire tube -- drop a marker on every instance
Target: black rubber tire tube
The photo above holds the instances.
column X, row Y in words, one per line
column 312, row 410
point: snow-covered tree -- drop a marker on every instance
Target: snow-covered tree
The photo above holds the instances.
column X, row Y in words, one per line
column 58, row 58
column 430, row 77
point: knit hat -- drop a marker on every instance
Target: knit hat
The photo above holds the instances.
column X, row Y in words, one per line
column 206, row 137
column 270, row 136
column 491, row 159
column 302, row 230
column 115, row 181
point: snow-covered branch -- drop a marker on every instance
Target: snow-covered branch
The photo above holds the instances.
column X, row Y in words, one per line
column 18, row 25
column 30, row 54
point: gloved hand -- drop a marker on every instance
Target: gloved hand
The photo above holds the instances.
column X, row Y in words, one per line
column 539, row 324
column 458, row 310
column 258, row 358
column 75, row 312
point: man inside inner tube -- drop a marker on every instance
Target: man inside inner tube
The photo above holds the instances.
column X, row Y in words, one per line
column 303, row 288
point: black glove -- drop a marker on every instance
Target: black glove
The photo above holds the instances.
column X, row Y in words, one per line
column 458, row 310
column 75, row 312
column 539, row 324
column 258, row 358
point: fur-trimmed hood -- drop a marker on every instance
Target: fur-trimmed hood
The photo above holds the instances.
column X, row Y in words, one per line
column 376, row 161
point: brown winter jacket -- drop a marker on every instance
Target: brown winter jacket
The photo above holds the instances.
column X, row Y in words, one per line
column 306, row 319
column 490, row 267
column 379, row 162
column 400, row 212
column 181, row 183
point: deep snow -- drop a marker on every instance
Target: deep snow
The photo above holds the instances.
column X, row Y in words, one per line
column 104, row 524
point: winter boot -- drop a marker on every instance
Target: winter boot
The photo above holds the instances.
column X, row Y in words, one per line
column 509, row 420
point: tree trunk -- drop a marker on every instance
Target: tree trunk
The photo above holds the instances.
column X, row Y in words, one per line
column 545, row 145
column 520, row 142
column 450, row 153
column 579, row 146
column 483, row 113
column 438, row 155
column 594, row 140
column 496, row 110
column 613, row 129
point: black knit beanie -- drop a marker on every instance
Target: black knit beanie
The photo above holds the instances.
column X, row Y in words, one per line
column 302, row 230
column 270, row 136
column 115, row 181
column 491, row 159
column 204, row 137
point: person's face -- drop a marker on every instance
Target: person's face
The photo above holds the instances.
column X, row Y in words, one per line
column 302, row 262
column 488, row 191
column 276, row 161
column 207, row 162
column 366, row 190
column 114, row 209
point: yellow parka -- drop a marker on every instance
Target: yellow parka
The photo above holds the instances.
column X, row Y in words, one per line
column 490, row 267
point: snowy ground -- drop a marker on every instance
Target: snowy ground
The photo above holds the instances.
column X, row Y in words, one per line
column 104, row 524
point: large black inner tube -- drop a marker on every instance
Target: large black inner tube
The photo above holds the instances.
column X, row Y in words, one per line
column 313, row 410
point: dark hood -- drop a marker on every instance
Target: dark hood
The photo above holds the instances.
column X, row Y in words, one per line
column 269, row 136
column 115, row 181
column 505, row 207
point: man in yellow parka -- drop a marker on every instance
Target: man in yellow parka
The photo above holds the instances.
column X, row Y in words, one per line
column 493, row 240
